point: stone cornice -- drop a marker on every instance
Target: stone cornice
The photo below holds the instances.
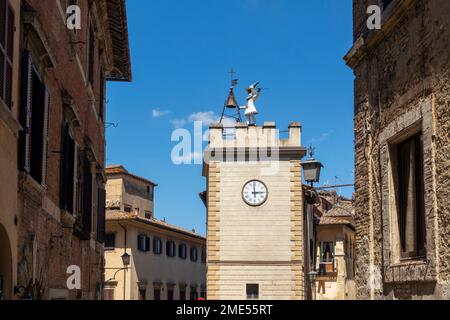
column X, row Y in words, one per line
column 370, row 39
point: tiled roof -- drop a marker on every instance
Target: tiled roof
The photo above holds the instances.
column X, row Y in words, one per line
column 116, row 215
column 342, row 213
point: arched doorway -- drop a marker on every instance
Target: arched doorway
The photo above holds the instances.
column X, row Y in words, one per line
column 5, row 265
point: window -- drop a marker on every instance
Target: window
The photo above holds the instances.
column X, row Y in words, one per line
column 86, row 219
column 101, row 196
column 6, row 51
column 148, row 215
column 91, row 56
column 194, row 254
column 142, row 294
column 194, row 294
column 326, row 258
column 411, row 211
column 203, row 255
column 252, row 291
column 127, row 208
column 170, row 294
column 170, row 249
column 182, row 292
column 385, row 3
column 34, row 119
column 101, row 109
column 203, row 293
column 182, row 251
column 150, row 193
column 143, row 243
column 110, row 241
column 67, row 177
column 157, row 246
column 157, row 294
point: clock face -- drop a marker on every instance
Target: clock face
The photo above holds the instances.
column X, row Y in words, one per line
column 255, row 193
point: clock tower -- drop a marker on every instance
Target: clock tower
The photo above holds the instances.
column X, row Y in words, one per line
column 254, row 199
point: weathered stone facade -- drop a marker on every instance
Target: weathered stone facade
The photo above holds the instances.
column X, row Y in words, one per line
column 402, row 87
column 58, row 92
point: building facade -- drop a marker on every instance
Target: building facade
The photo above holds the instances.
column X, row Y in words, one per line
column 52, row 163
column 335, row 250
column 255, row 215
column 402, row 150
column 9, row 135
column 166, row 262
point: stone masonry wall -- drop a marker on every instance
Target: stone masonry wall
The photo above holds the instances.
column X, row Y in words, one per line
column 408, row 67
column 46, row 247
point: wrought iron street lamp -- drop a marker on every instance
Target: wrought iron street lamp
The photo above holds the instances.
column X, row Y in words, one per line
column 126, row 259
column 312, row 168
column 311, row 172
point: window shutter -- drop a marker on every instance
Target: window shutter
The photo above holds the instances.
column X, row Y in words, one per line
column 147, row 244
column 101, row 109
column 64, row 168
column 67, row 171
column 91, row 56
column 87, row 196
column 45, row 137
column 25, row 113
column 6, row 51
column 140, row 242
column 101, row 215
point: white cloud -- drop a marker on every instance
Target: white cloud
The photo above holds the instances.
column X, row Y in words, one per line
column 158, row 113
column 207, row 118
column 178, row 123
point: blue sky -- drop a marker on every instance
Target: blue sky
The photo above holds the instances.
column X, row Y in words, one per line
column 181, row 54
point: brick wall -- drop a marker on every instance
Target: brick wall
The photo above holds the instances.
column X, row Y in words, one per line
column 47, row 247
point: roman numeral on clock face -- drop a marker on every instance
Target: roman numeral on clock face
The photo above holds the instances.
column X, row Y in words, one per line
column 255, row 193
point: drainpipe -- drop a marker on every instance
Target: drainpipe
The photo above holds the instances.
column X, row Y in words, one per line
column 125, row 269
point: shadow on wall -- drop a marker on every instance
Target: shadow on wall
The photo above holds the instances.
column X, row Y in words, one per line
column 5, row 265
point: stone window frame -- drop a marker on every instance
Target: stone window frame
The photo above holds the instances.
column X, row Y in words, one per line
column 417, row 119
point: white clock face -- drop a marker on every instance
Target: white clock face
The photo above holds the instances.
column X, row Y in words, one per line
column 255, row 193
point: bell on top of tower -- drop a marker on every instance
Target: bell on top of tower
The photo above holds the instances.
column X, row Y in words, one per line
column 231, row 104
column 231, row 101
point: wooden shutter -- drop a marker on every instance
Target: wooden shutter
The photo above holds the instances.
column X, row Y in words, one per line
column 101, row 215
column 7, row 17
column 91, row 56
column 64, row 167
column 26, row 112
column 147, row 244
column 45, row 137
column 87, row 196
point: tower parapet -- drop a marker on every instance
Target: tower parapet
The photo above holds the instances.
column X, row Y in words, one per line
column 247, row 136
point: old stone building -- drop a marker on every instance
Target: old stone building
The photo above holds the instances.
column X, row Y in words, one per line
column 402, row 150
column 54, row 215
column 165, row 262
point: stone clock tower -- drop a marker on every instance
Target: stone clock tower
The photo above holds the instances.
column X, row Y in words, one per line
column 255, row 213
